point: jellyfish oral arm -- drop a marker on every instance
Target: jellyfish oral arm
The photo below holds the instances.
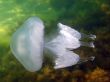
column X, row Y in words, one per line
column 67, row 40
column 67, row 59
column 70, row 30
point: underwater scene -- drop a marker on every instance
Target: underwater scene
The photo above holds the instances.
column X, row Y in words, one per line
column 85, row 16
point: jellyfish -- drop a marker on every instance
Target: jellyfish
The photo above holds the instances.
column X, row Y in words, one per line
column 28, row 45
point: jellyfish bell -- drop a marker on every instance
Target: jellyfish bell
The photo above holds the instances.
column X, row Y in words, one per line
column 27, row 44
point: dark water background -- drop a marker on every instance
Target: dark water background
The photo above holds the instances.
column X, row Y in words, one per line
column 88, row 16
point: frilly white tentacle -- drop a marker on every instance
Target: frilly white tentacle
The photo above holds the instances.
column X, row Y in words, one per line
column 68, row 38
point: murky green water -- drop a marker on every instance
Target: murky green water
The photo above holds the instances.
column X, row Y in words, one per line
column 88, row 16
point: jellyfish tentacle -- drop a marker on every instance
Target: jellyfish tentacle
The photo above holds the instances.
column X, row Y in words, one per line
column 91, row 58
column 88, row 44
column 91, row 36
